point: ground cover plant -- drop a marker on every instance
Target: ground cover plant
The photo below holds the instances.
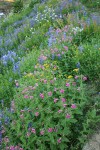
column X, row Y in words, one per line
column 49, row 77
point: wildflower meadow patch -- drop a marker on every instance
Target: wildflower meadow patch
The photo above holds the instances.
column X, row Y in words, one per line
column 49, row 76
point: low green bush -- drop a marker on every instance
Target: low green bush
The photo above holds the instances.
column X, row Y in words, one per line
column 17, row 6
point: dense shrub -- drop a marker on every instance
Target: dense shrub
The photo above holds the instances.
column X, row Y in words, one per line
column 17, row 6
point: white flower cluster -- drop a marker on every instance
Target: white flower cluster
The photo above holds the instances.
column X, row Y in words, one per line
column 48, row 13
column 77, row 29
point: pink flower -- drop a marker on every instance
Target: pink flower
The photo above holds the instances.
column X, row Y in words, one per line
column 51, row 81
column 63, row 53
column 68, row 116
column 41, row 132
column 55, row 100
column 45, row 81
column 30, row 97
column 6, row 139
column 59, row 140
column 73, row 106
column 55, row 79
column 67, row 84
column 17, row 84
column 28, row 134
column 50, row 130
column 66, row 48
column 59, row 111
column 63, row 100
column 64, row 105
column 12, row 148
column 76, row 77
column 84, row 78
column 37, row 114
column 55, row 130
column 42, row 95
column 55, row 89
column 21, row 116
column 61, row 91
column 49, row 93
column 33, row 130
column 25, row 90
column 74, row 83
column 22, row 110
column 26, row 96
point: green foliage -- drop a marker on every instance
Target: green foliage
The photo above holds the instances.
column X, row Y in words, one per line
column 62, row 128
column 91, row 3
column 90, row 61
column 33, row 2
column 55, row 102
column 17, row 6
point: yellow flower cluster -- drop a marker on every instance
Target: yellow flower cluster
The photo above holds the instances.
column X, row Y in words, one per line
column 69, row 77
column 76, row 70
column 29, row 75
column 46, row 66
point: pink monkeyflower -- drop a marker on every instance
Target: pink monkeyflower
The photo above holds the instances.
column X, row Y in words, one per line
column 45, row 81
column 76, row 77
column 68, row 116
column 26, row 96
column 28, row 134
column 73, row 106
column 42, row 132
column 17, row 84
column 21, row 149
column 64, row 105
column 25, row 90
column 59, row 55
column 66, row 48
column 59, row 111
column 63, row 53
column 33, row 88
column 67, row 84
column 55, row 130
column 31, row 97
column 55, row 79
column 84, row 78
column 50, row 130
column 51, row 81
column 33, row 130
column 16, row 147
column 42, row 67
column 21, row 116
column 55, row 100
column 74, row 83
column 50, row 93
column 22, row 110
column 7, row 148
column 6, row 139
column 63, row 100
column 3, row 131
column 42, row 95
column 59, row 140
column 61, row 91
column 12, row 148
column 55, row 89
column 37, row 114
